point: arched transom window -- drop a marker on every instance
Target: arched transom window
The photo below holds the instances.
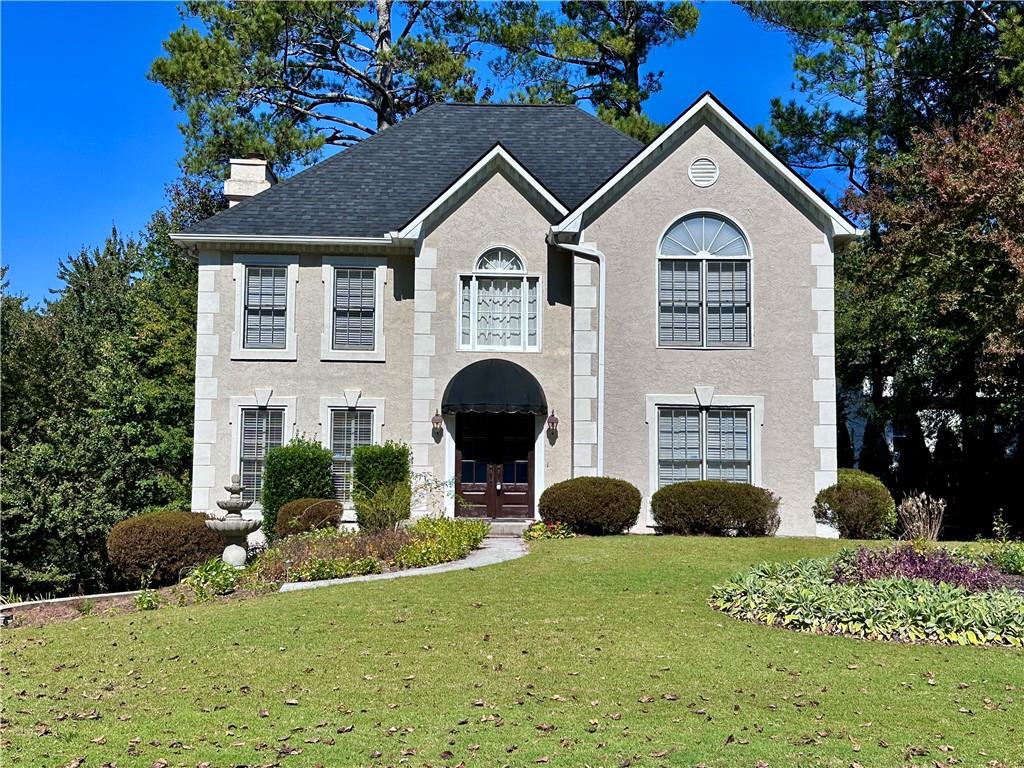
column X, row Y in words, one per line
column 499, row 306
column 704, row 284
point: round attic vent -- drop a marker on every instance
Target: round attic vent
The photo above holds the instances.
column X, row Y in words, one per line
column 703, row 172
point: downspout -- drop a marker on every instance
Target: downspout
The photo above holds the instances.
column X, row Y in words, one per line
column 596, row 255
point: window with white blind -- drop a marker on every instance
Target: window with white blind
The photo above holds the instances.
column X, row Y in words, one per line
column 499, row 304
column 260, row 430
column 266, row 307
column 355, row 307
column 703, row 444
column 350, row 428
column 704, row 284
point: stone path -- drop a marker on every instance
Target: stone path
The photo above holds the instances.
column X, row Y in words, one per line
column 492, row 551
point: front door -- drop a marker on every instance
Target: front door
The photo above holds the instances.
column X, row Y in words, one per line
column 494, row 465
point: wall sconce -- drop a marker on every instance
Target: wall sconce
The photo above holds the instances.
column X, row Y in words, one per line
column 552, row 425
column 436, row 422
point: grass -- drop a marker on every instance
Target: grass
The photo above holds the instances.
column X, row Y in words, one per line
column 587, row 652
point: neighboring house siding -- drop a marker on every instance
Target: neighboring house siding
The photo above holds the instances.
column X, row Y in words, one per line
column 494, row 213
column 224, row 384
column 780, row 367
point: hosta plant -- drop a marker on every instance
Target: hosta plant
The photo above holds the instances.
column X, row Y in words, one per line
column 805, row 596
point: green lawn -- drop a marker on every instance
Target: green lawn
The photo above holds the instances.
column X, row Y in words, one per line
column 587, row 652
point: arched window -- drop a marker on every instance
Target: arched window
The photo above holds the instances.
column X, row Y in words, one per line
column 704, row 284
column 499, row 307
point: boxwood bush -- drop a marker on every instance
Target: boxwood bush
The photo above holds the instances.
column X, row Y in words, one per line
column 304, row 515
column 592, row 505
column 299, row 470
column 716, row 508
column 381, row 485
column 858, row 505
column 158, row 547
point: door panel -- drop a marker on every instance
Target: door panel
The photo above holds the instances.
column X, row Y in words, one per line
column 494, row 465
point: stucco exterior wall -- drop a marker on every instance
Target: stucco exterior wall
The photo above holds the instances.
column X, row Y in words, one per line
column 301, row 382
column 780, row 366
column 494, row 213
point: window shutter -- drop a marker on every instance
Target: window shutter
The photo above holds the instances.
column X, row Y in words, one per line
column 679, row 302
column 355, row 293
column 350, row 428
column 266, row 306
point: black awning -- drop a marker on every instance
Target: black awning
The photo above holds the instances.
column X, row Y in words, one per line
column 494, row 386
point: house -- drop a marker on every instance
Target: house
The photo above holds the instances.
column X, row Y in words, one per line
column 523, row 295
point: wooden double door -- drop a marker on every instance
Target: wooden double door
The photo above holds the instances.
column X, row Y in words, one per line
column 494, row 465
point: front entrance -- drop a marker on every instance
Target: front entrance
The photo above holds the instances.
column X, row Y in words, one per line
column 494, row 465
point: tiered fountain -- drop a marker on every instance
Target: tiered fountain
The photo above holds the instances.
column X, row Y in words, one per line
column 234, row 528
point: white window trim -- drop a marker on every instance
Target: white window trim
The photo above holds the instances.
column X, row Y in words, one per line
column 345, row 401
column 238, row 350
column 327, row 350
column 754, row 402
column 287, row 404
column 749, row 258
column 494, row 273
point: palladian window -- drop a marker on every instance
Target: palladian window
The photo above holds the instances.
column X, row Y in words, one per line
column 704, row 284
column 499, row 304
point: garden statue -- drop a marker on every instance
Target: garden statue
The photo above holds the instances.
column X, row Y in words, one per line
column 232, row 526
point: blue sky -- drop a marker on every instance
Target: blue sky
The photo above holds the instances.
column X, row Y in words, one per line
column 88, row 142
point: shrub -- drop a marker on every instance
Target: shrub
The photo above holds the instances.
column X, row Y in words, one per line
column 542, row 530
column 304, row 515
column 160, row 545
column 440, row 540
column 921, row 517
column 592, row 505
column 377, row 466
column 858, row 505
column 383, row 508
column 804, row 596
column 716, row 508
column 299, row 470
column 214, row 577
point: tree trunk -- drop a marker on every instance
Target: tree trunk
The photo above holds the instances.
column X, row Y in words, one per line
column 384, row 100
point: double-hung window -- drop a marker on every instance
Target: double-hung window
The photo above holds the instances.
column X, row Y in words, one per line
column 266, row 307
column 350, row 428
column 703, row 444
column 704, row 284
column 261, row 430
column 499, row 304
column 355, row 308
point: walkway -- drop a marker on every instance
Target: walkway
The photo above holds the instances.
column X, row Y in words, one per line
column 492, row 551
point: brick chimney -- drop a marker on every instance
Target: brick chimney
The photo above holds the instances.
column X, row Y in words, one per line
column 249, row 176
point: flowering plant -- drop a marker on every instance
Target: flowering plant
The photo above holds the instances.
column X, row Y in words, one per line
column 547, row 530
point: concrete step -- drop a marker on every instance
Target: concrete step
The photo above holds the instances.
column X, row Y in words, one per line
column 507, row 528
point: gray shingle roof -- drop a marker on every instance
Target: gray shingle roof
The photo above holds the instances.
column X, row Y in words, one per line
column 380, row 184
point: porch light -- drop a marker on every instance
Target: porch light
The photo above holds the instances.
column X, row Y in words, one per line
column 436, row 421
column 552, row 424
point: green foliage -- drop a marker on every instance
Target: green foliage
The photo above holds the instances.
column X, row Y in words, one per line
column 593, row 506
column 317, row 569
column 158, row 547
column 858, row 505
column 716, row 508
column 592, row 51
column 541, row 530
column 384, row 508
column 284, row 79
column 438, row 540
column 299, row 470
column 804, row 596
column 147, row 600
column 214, row 577
column 305, row 515
column 374, row 466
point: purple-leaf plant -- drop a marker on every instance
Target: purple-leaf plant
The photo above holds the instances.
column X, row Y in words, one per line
column 934, row 565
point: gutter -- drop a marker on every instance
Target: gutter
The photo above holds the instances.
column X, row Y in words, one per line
column 594, row 255
column 187, row 238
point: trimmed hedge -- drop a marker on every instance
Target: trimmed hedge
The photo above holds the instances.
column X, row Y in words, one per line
column 167, row 542
column 304, row 515
column 858, row 505
column 716, row 508
column 375, row 466
column 299, row 470
column 592, row 505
